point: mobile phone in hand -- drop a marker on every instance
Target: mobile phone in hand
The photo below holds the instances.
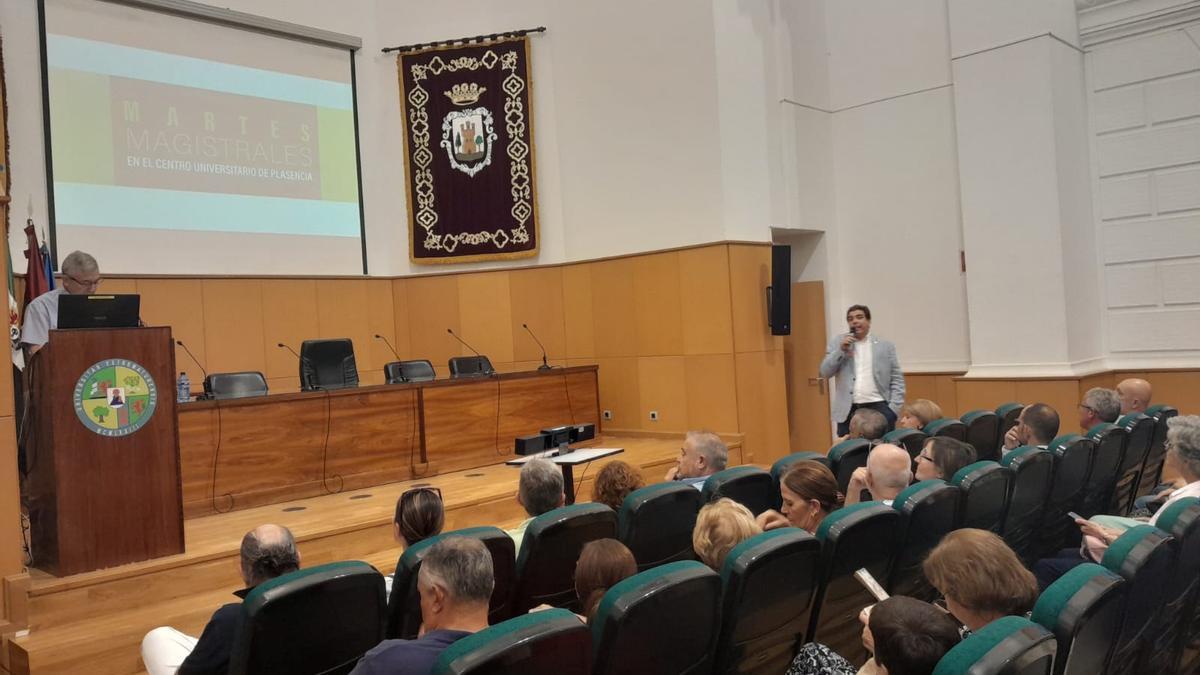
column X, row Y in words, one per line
column 1075, row 516
column 868, row 581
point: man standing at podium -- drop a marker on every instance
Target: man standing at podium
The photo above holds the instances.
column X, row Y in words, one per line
column 80, row 276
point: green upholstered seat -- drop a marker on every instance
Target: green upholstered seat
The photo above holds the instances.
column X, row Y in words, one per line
column 1033, row 469
column 1008, row 413
column 749, row 486
column 1007, row 646
column 928, row 510
column 1073, row 455
column 950, row 427
column 404, row 608
column 985, row 487
column 1177, row 627
column 1145, row 557
column 550, row 642
column 552, row 543
column 656, row 523
column 911, row 440
column 1106, row 464
column 1083, row 609
column 316, row 620
column 769, row 583
column 663, row 620
column 1139, row 436
column 854, row 537
column 983, row 433
column 847, row 456
column 784, row 463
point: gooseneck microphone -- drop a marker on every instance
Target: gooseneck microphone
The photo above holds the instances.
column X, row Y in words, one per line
column 198, row 365
column 545, row 365
column 490, row 370
column 389, row 345
column 293, row 351
column 305, row 378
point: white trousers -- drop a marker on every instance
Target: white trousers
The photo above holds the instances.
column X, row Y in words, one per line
column 164, row 649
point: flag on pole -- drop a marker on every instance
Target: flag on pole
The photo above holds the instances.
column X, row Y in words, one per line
column 35, row 270
column 14, row 314
column 47, row 262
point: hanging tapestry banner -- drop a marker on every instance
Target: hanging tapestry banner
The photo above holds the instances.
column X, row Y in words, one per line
column 468, row 152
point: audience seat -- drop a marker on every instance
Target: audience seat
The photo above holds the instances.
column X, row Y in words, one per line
column 769, row 582
column 781, row 466
column 747, row 485
column 1110, row 446
column 418, row 370
column 1083, row 610
column 983, row 427
column 847, row 456
column 1152, row 469
column 404, row 608
column 984, row 502
column 1033, row 470
column 854, row 537
column 656, row 523
column 1179, row 618
column 551, row 642
column 664, row 620
column 1008, row 413
column 1144, row 556
column 928, row 512
column 1072, row 455
column 1009, row 645
column 549, row 550
column 316, row 620
column 911, row 440
column 950, row 427
column 1139, row 435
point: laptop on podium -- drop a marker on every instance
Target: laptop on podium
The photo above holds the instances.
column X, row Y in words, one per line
column 99, row 311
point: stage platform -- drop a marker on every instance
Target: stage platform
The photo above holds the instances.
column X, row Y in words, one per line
column 94, row 622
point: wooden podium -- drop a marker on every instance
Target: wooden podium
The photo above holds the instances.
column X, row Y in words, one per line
column 103, row 466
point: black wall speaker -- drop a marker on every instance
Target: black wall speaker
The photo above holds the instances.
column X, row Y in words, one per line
column 779, row 293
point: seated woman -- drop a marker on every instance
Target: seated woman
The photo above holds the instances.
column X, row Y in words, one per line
column 614, row 482
column 917, row 413
column 905, row 635
column 420, row 515
column 809, row 491
column 720, row 526
column 980, row 577
column 602, row 563
column 942, row 458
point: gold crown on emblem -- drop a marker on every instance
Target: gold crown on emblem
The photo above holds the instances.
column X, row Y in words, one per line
column 465, row 94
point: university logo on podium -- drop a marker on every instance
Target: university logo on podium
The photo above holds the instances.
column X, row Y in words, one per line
column 115, row 397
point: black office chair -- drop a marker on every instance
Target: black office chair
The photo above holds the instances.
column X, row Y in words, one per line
column 224, row 386
column 417, row 370
column 470, row 366
column 985, row 487
column 327, row 364
column 983, row 428
column 319, row 620
column 656, row 523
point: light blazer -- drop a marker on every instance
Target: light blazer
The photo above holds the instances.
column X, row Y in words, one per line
column 886, row 366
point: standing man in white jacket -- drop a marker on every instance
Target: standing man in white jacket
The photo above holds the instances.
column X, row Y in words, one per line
column 867, row 371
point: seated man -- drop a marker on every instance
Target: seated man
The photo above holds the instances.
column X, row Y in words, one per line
column 268, row 551
column 887, row 473
column 1037, row 425
column 1135, row 394
column 455, row 583
column 868, row 424
column 539, row 490
column 1099, row 405
column 703, row 454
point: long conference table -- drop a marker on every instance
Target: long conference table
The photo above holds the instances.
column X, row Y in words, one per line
column 240, row 453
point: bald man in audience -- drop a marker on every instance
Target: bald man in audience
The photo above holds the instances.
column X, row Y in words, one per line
column 703, row 453
column 887, row 473
column 268, row 551
column 1099, row 406
column 1037, row 425
column 1134, row 394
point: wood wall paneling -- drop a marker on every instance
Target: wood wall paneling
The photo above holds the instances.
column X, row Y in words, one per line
column 1178, row 388
column 485, row 314
column 401, row 339
column 11, row 556
column 762, row 406
column 381, row 320
column 178, row 303
column 711, row 386
column 984, row 394
column 289, row 315
column 619, row 385
column 342, row 312
column 749, row 276
column 1062, row 395
column 578, row 313
column 656, row 304
column 432, row 308
column 233, row 327
column 613, row 317
column 662, row 387
column 705, row 311
column 536, row 298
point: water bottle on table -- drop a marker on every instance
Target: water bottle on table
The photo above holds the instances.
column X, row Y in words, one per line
column 184, row 389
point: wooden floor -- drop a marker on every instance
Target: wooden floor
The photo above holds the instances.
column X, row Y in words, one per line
column 94, row 622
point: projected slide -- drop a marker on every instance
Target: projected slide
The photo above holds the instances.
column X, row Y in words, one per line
column 153, row 148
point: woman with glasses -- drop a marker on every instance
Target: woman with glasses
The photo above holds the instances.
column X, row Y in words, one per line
column 980, row 577
column 942, row 458
column 80, row 276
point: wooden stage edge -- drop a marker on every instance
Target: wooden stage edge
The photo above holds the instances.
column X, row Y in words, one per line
column 94, row 622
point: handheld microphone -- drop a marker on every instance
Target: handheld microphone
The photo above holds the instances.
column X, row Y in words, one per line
column 304, row 379
column 198, row 365
column 545, row 365
column 490, row 371
column 389, row 345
